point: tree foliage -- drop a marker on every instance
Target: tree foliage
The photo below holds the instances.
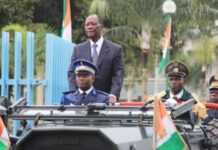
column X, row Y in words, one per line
column 12, row 11
column 80, row 10
column 126, row 21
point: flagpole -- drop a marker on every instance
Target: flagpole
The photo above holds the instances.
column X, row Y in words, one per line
column 156, row 76
column 168, row 8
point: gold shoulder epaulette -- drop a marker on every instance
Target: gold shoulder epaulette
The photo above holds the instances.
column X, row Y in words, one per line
column 153, row 97
column 161, row 94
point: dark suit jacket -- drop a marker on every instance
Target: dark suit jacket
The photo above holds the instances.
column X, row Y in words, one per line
column 109, row 77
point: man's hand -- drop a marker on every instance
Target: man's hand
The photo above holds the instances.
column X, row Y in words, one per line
column 112, row 99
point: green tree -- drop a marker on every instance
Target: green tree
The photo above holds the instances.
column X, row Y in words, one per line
column 16, row 11
column 80, row 10
column 126, row 21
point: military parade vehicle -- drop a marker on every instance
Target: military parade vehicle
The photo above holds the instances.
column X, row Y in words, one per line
column 127, row 126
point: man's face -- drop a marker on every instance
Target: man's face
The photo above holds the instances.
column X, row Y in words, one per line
column 93, row 27
column 176, row 83
column 213, row 95
column 84, row 80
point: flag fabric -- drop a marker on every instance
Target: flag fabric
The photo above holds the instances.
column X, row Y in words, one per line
column 166, row 137
column 4, row 138
column 67, row 24
column 166, row 44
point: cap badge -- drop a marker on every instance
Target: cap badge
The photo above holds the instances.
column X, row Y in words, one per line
column 176, row 70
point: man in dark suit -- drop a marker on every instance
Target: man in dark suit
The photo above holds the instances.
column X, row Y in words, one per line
column 106, row 55
column 86, row 93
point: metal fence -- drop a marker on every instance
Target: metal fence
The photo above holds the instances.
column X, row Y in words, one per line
column 57, row 58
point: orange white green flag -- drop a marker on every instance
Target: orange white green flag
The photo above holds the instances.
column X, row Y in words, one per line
column 4, row 139
column 166, row 44
column 67, row 23
column 166, row 137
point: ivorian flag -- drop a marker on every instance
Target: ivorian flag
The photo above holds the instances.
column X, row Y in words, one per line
column 66, row 25
column 166, row 44
column 166, row 137
column 4, row 139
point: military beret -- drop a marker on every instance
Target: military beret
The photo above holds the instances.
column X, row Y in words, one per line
column 84, row 65
column 176, row 68
column 213, row 82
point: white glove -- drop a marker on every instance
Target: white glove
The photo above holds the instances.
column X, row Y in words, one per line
column 170, row 103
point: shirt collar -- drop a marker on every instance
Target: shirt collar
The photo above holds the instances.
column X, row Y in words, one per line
column 87, row 91
column 99, row 42
column 178, row 95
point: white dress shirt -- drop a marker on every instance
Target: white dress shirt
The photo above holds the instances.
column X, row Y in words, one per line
column 99, row 44
column 87, row 91
column 178, row 95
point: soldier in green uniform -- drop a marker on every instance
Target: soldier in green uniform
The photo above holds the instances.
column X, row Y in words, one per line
column 176, row 73
column 176, row 94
